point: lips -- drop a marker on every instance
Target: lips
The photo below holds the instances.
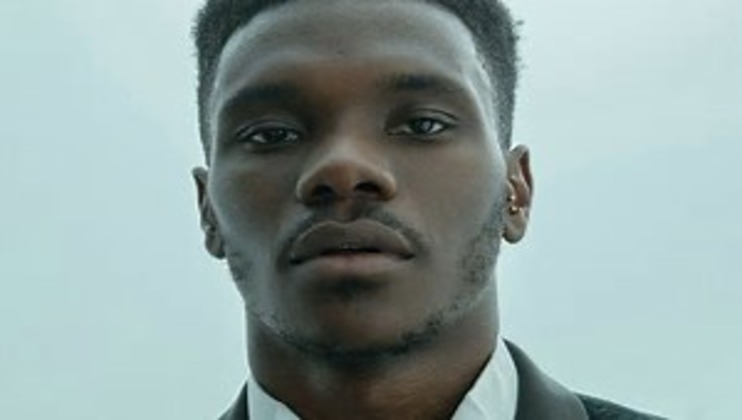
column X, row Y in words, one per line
column 358, row 238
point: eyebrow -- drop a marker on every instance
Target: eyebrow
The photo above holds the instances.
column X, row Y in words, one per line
column 265, row 93
column 417, row 82
column 271, row 93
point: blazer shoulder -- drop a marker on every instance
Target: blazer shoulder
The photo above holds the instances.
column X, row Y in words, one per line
column 542, row 398
column 598, row 409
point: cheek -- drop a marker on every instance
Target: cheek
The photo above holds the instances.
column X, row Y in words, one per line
column 454, row 194
column 248, row 202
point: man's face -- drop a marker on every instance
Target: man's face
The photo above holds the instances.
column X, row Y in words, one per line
column 356, row 182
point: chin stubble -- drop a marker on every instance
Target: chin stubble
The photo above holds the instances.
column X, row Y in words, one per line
column 477, row 265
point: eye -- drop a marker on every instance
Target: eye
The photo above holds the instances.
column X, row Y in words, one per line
column 422, row 127
column 268, row 135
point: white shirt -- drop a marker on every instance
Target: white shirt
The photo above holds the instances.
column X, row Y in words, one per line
column 494, row 395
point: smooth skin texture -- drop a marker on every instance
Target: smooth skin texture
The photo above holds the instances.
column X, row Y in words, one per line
column 342, row 114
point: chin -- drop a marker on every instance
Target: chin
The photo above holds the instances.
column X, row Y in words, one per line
column 353, row 336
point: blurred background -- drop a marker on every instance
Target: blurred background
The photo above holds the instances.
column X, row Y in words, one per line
column 626, row 286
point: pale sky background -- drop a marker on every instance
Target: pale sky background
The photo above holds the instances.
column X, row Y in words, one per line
column 626, row 286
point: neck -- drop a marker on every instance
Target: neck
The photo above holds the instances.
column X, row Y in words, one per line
column 427, row 382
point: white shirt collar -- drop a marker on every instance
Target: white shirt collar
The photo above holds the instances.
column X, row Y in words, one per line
column 494, row 395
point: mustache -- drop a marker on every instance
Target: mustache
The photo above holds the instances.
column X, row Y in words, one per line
column 372, row 213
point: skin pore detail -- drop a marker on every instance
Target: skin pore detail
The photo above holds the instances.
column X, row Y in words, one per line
column 476, row 267
column 358, row 190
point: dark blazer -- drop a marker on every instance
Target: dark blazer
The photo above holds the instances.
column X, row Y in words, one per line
column 539, row 398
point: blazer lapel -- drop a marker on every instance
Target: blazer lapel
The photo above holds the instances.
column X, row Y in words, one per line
column 238, row 411
column 540, row 397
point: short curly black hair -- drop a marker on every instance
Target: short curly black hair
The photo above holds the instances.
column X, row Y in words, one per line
column 490, row 22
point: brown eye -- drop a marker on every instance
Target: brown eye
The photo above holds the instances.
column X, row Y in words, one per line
column 421, row 127
column 268, row 136
column 426, row 126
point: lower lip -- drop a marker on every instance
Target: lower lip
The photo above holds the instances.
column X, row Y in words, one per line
column 352, row 265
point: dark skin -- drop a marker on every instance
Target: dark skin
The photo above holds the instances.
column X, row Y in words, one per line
column 359, row 192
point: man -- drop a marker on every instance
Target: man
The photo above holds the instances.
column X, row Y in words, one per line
column 359, row 181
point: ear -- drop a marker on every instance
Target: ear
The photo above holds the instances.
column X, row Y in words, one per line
column 213, row 240
column 519, row 194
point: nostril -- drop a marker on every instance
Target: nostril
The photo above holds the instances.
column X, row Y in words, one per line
column 322, row 192
column 343, row 180
column 368, row 187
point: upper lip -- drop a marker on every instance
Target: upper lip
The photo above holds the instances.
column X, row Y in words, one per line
column 360, row 236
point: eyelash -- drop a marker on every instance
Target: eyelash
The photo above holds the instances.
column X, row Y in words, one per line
column 248, row 135
column 410, row 126
column 264, row 135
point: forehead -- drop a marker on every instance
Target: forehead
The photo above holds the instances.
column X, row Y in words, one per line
column 347, row 33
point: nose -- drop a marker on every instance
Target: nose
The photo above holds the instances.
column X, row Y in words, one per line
column 344, row 169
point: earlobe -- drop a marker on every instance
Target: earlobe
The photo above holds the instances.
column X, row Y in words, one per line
column 212, row 237
column 519, row 194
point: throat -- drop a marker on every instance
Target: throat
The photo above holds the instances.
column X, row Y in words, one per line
column 427, row 382
column 426, row 378
column 375, row 395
